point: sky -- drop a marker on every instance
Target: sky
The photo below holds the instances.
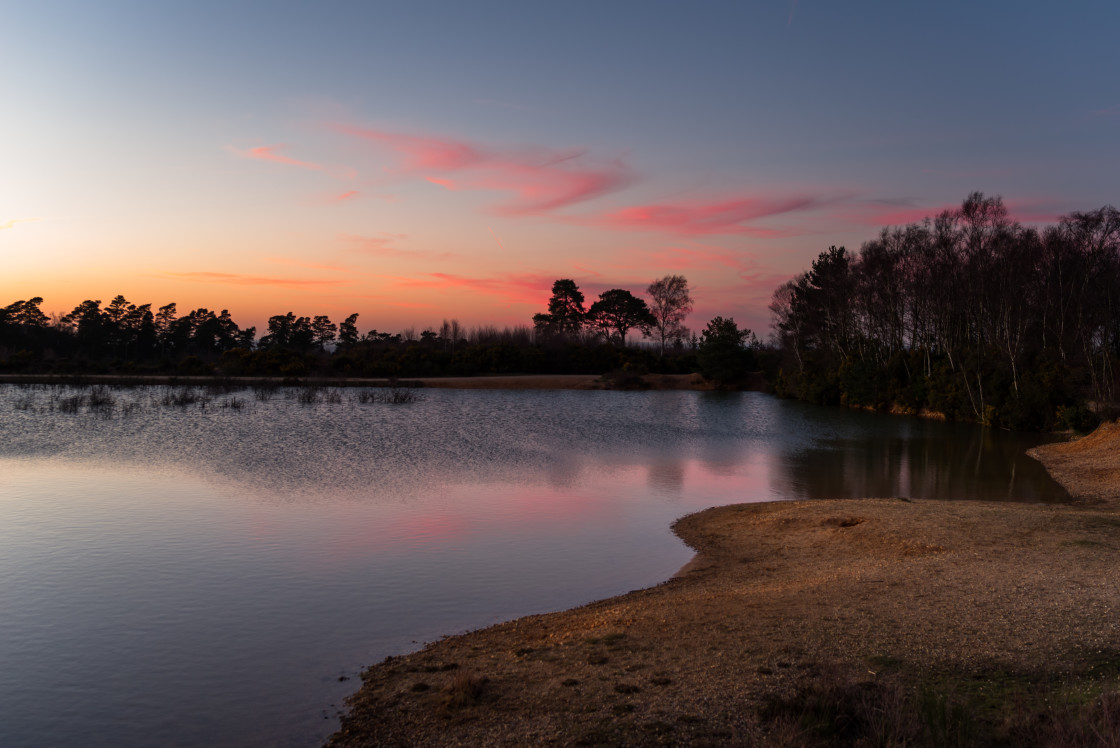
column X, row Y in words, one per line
column 420, row 161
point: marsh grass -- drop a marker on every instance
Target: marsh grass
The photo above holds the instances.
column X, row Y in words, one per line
column 223, row 387
column 70, row 404
column 113, row 399
column 100, row 397
column 465, row 689
column 982, row 709
column 1067, row 724
column 946, row 718
column 183, row 397
column 389, row 396
column 309, row 395
column 233, row 403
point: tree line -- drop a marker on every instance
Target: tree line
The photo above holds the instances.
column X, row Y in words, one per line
column 969, row 314
column 725, row 354
column 123, row 337
column 617, row 312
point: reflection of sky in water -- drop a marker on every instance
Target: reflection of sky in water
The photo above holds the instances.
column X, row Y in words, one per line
column 204, row 576
column 381, row 453
column 282, row 451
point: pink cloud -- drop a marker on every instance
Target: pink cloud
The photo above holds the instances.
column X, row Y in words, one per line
column 421, row 153
column 684, row 258
column 443, row 182
column 524, row 288
column 384, row 245
column 727, row 216
column 540, row 180
column 587, row 272
column 372, row 244
column 410, row 305
column 307, row 265
column 272, row 153
column 705, row 257
column 551, row 182
column 251, row 280
column 349, row 195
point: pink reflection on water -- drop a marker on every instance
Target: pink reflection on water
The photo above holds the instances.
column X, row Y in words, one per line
column 718, row 479
column 432, row 527
column 582, row 498
column 471, row 514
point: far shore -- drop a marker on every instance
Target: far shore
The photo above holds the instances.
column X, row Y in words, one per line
column 871, row 621
column 567, row 382
column 498, row 382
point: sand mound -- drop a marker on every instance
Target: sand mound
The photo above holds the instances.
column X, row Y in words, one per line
column 1088, row 467
column 1104, row 440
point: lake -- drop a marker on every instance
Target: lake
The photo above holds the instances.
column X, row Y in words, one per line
column 213, row 568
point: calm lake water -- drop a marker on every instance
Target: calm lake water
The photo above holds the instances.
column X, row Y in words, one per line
column 218, row 573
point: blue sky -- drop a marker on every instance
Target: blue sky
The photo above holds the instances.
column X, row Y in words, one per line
column 415, row 161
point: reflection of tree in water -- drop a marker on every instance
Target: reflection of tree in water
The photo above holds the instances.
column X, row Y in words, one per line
column 934, row 461
column 282, row 450
column 666, row 476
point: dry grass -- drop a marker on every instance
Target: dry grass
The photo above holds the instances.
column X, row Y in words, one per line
column 390, row 396
column 465, row 690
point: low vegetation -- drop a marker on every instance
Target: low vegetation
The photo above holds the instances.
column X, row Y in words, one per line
column 128, row 400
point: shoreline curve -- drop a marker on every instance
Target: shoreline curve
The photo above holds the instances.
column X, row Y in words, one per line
column 854, row 604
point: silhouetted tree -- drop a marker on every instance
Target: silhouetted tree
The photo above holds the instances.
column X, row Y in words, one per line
column 348, row 331
column 323, row 331
column 25, row 314
column 280, row 330
column 618, row 311
column 303, row 337
column 24, row 326
column 88, row 322
column 725, row 352
column 206, row 332
column 670, row 303
column 566, row 314
column 786, row 323
column 967, row 313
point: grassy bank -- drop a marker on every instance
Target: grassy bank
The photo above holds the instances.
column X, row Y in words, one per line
column 871, row 622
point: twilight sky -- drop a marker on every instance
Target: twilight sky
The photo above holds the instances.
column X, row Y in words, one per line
column 414, row 161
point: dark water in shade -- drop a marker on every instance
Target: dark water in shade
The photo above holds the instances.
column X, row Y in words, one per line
column 204, row 576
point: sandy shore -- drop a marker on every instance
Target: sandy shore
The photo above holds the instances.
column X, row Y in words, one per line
column 872, row 622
